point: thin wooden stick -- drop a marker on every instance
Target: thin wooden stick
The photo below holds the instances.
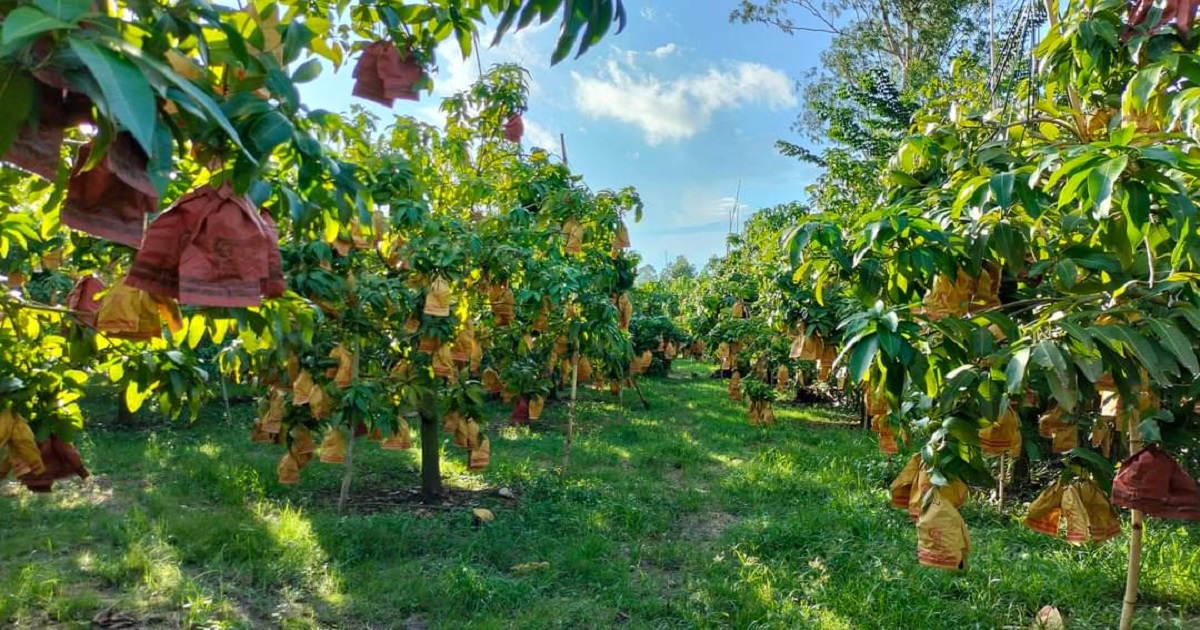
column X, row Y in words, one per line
column 1001, row 490
column 1134, row 571
column 348, row 474
column 571, row 414
column 638, row 388
column 225, row 395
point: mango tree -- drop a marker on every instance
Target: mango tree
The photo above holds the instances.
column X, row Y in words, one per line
column 1032, row 269
column 115, row 108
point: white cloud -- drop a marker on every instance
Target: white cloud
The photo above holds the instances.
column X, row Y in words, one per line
column 680, row 107
column 665, row 50
column 709, row 213
column 539, row 136
column 649, row 13
column 455, row 74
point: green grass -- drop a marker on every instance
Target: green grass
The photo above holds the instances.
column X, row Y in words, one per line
column 683, row 516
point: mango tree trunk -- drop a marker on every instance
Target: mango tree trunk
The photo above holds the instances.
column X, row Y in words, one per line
column 431, row 456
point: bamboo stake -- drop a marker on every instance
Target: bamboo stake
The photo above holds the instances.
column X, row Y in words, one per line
column 1134, row 572
column 621, row 399
column 637, row 387
column 225, row 396
column 1001, row 489
column 571, row 414
column 348, row 474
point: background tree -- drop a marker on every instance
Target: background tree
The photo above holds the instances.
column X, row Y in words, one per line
column 875, row 73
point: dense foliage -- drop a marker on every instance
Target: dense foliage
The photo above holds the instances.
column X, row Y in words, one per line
column 398, row 262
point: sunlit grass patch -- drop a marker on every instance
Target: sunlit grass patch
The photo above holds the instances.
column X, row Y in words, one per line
column 682, row 516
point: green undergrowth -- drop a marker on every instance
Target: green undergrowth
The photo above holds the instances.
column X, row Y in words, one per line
column 680, row 516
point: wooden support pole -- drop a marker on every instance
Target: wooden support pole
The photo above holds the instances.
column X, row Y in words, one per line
column 1134, row 571
column 571, row 414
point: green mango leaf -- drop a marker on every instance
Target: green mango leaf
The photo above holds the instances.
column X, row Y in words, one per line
column 135, row 397
column 1122, row 136
column 65, row 10
column 1176, row 343
column 1001, row 186
column 418, row 13
column 1059, row 373
column 308, row 71
column 296, row 38
column 598, row 25
column 196, row 329
column 1067, row 272
column 962, row 430
column 269, row 131
column 1128, row 343
column 548, row 8
column 126, row 92
column 1141, row 86
column 573, row 21
column 1078, row 334
column 1014, row 372
column 16, row 92
column 1100, row 185
column 25, row 22
column 465, row 37
column 1150, row 430
column 506, row 22
column 980, row 341
column 219, row 328
column 527, row 15
column 1092, row 460
column 1073, row 165
column 862, row 356
column 1092, row 259
column 1137, row 205
column 202, row 100
column 1191, row 314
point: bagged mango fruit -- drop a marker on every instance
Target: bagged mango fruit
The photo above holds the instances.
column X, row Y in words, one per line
column 399, row 440
column 333, row 447
column 1046, row 510
column 437, row 299
column 480, row 456
column 1003, row 436
column 902, row 486
column 942, row 538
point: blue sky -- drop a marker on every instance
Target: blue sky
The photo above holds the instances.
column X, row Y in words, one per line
column 682, row 105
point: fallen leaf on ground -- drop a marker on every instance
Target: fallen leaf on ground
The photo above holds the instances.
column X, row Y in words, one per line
column 529, row 567
column 1048, row 618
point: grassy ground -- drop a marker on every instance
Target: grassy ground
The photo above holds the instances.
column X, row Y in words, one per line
column 678, row 517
